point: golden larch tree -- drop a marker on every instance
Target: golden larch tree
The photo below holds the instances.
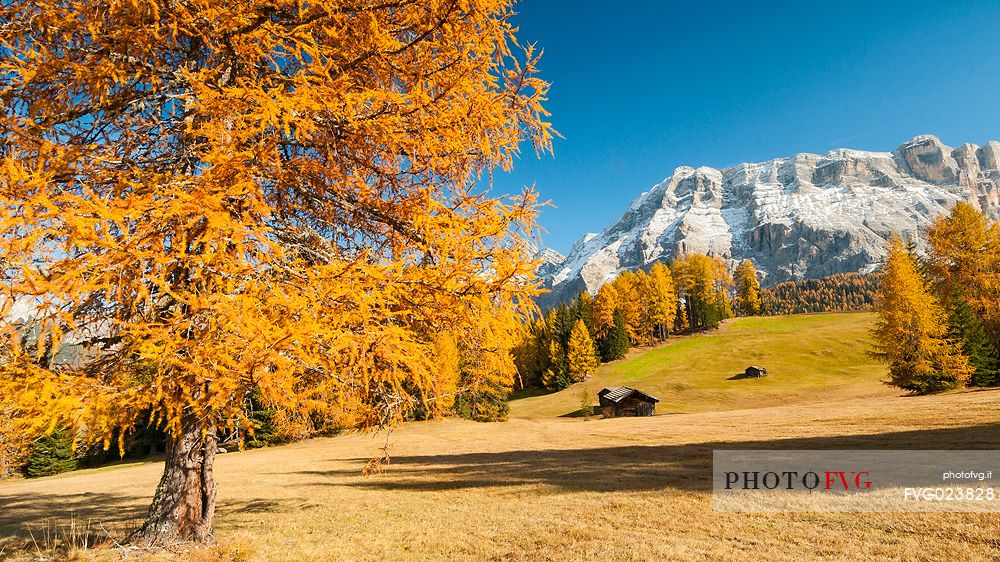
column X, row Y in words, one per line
column 487, row 364
column 910, row 333
column 748, row 301
column 965, row 253
column 647, row 318
column 447, row 372
column 703, row 283
column 280, row 198
column 605, row 304
column 581, row 355
column 663, row 299
column 629, row 288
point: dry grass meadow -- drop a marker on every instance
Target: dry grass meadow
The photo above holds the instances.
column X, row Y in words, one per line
column 545, row 487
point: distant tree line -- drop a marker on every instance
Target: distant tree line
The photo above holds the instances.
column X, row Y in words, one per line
column 839, row 292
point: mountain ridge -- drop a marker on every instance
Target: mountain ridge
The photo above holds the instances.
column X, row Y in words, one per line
column 797, row 217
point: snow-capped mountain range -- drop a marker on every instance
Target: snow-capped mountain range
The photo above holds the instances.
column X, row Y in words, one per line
column 804, row 216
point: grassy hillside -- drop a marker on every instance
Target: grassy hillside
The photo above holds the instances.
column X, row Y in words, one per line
column 809, row 358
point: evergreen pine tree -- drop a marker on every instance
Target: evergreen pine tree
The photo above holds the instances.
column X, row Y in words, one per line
column 556, row 376
column 615, row 343
column 51, row 454
column 583, row 309
column 966, row 327
column 562, row 323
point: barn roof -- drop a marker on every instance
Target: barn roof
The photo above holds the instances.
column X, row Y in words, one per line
column 618, row 393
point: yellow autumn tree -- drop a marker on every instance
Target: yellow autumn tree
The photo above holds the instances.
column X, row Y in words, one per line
column 965, row 252
column 747, row 289
column 215, row 199
column 647, row 317
column 581, row 355
column 910, row 333
column 487, row 365
column 681, row 323
column 662, row 304
column 629, row 288
column 703, row 283
column 605, row 304
column 447, row 371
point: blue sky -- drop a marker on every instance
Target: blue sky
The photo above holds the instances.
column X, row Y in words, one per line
column 639, row 88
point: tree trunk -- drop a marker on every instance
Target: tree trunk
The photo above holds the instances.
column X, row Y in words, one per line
column 183, row 507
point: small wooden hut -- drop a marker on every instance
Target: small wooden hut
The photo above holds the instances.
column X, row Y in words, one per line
column 755, row 371
column 619, row 401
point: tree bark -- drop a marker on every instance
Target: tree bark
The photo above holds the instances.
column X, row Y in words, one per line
column 183, row 507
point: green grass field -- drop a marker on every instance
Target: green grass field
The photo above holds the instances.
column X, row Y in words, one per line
column 809, row 357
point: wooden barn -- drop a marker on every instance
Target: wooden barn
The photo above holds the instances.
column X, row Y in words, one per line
column 619, row 401
column 755, row 371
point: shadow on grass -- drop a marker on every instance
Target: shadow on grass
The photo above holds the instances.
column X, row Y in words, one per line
column 530, row 393
column 742, row 376
column 594, row 413
column 686, row 467
column 30, row 519
column 613, row 468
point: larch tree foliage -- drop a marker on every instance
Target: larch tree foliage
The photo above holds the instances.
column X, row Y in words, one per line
column 581, row 355
column 703, row 282
column 663, row 299
column 440, row 397
column 910, row 334
column 748, row 302
column 965, row 253
column 630, row 290
column 605, row 304
column 275, row 197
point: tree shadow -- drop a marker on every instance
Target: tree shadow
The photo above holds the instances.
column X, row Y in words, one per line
column 613, row 468
column 530, row 392
column 594, row 413
column 27, row 520
column 685, row 467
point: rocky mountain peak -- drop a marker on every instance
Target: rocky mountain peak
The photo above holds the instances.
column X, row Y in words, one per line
column 802, row 216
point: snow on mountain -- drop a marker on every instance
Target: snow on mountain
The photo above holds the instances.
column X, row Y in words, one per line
column 804, row 216
column 549, row 260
